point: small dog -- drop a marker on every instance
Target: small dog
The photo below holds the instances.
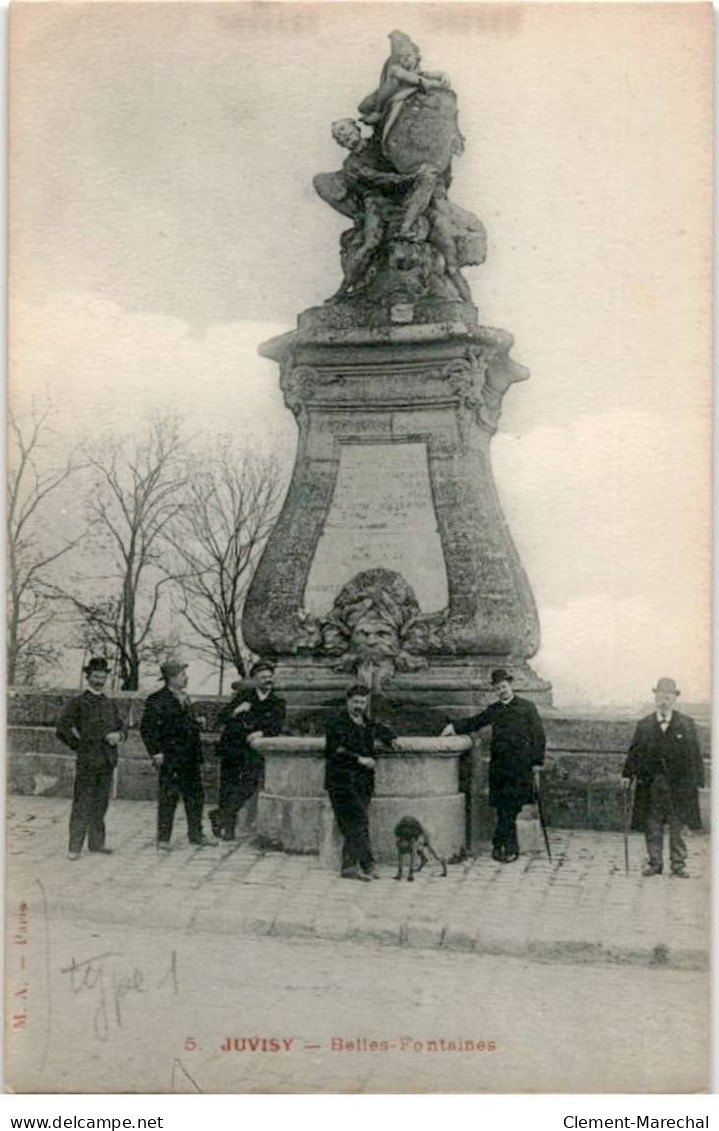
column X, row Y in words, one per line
column 410, row 836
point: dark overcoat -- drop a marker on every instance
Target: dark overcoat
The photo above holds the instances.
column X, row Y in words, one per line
column 83, row 727
column 676, row 754
column 517, row 745
column 169, row 727
column 267, row 715
column 345, row 743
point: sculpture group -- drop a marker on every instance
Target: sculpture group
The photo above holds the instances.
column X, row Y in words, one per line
column 408, row 239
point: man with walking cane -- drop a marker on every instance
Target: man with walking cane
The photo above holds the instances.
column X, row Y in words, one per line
column 516, row 754
column 630, row 789
column 665, row 763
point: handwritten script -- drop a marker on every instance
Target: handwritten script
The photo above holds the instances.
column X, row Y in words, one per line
column 109, row 984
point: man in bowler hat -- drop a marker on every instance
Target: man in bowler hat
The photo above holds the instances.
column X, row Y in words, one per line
column 91, row 726
column 257, row 712
column 171, row 733
column 516, row 754
column 666, row 761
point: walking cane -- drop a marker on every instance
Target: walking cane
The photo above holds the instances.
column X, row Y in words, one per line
column 628, row 814
column 540, row 811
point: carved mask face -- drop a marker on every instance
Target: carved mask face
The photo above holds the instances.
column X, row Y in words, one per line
column 374, row 639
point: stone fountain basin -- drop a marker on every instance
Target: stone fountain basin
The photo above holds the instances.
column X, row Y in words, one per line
column 419, row 779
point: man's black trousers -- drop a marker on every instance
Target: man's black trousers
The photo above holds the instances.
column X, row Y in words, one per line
column 351, row 809
column 180, row 782
column 90, row 799
column 240, row 779
column 505, row 832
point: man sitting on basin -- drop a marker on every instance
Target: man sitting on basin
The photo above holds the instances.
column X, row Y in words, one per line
column 349, row 779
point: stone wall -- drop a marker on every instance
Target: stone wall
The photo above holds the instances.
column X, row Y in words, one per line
column 582, row 781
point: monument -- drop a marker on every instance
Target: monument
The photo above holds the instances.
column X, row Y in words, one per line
column 391, row 559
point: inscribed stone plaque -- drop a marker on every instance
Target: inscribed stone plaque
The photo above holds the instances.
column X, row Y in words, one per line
column 382, row 515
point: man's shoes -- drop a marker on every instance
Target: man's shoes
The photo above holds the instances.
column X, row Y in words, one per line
column 372, row 873
column 652, row 870
column 511, row 856
column 73, row 855
column 355, row 874
column 163, row 846
column 680, row 872
column 499, row 854
column 215, row 823
column 103, row 851
column 204, row 842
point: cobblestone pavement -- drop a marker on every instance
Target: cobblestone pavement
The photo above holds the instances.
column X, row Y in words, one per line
column 580, row 908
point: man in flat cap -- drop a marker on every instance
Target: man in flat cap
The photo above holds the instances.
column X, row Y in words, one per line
column 91, row 726
column 254, row 712
column 666, row 761
column 171, row 733
column 516, row 755
column 351, row 738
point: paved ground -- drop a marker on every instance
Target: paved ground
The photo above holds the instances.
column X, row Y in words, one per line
column 581, row 908
column 114, row 1008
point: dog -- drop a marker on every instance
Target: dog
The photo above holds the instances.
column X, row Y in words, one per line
column 409, row 836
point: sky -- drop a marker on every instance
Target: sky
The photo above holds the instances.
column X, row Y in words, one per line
column 163, row 224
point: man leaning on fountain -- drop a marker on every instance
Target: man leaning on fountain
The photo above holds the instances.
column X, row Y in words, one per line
column 255, row 712
column 349, row 779
column 516, row 754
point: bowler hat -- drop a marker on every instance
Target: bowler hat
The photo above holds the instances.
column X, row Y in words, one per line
column 96, row 664
column 262, row 666
column 665, row 684
column 171, row 667
column 500, row 675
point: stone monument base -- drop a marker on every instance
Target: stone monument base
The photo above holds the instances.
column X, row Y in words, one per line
column 419, row 702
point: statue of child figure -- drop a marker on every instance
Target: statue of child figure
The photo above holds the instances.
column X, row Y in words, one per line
column 400, row 77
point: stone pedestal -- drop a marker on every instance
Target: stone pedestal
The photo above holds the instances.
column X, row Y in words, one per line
column 419, row 779
column 393, row 487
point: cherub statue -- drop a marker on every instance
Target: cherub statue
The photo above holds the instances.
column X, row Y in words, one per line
column 400, row 77
column 408, row 241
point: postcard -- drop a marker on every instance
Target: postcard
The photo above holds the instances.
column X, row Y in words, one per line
column 358, row 535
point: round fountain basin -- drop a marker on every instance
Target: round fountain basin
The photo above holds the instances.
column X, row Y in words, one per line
column 419, row 779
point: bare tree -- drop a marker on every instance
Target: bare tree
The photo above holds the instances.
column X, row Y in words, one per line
column 230, row 506
column 134, row 496
column 33, row 478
